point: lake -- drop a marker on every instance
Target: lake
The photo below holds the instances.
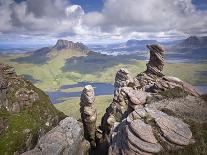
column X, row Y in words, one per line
column 100, row 89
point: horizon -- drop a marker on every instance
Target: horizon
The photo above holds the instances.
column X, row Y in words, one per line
column 100, row 21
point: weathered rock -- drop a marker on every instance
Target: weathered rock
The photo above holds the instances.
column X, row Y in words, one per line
column 3, row 125
column 141, row 144
column 66, row 138
column 137, row 98
column 154, row 67
column 123, row 78
column 156, row 62
column 140, row 133
column 166, row 83
column 174, row 130
column 143, row 131
column 88, row 114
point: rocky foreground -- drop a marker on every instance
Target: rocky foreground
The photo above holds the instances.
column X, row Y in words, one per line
column 150, row 114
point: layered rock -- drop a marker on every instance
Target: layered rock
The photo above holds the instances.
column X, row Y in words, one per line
column 131, row 125
column 66, row 138
column 123, row 78
column 88, row 114
column 154, row 66
column 147, row 131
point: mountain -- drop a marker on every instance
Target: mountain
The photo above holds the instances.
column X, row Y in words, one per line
column 138, row 43
column 193, row 42
column 44, row 54
column 65, row 44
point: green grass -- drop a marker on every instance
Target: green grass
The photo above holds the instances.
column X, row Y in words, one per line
column 33, row 118
column 71, row 106
column 52, row 76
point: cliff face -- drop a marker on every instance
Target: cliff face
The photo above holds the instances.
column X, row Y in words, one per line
column 26, row 112
column 65, row 44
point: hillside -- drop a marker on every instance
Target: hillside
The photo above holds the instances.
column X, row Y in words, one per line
column 43, row 55
column 193, row 42
column 26, row 112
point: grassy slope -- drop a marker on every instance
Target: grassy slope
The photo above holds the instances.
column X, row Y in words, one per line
column 33, row 118
column 71, row 106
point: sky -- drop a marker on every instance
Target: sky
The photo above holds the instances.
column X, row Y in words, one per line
column 100, row 21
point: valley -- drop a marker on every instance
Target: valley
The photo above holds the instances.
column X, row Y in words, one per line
column 53, row 68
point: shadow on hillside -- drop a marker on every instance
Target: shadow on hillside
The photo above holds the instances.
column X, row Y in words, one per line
column 31, row 78
column 37, row 57
column 96, row 62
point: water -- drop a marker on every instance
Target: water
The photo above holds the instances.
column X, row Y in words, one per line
column 100, row 89
column 202, row 89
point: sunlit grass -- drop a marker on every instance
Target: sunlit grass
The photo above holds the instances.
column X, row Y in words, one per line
column 71, row 106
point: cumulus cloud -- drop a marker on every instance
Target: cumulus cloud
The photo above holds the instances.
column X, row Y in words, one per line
column 119, row 19
column 149, row 16
column 39, row 17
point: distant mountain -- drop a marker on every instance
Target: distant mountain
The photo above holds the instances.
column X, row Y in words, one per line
column 42, row 55
column 193, row 42
column 139, row 43
column 65, row 44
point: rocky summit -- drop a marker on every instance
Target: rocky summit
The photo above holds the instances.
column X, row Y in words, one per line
column 65, row 44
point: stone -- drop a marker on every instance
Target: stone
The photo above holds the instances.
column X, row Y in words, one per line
column 137, row 98
column 123, row 78
column 143, row 131
column 142, row 145
column 88, row 114
column 15, row 107
column 3, row 125
column 174, row 130
column 156, row 62
column 138, row 134
column 66, row 138
column 3, row 83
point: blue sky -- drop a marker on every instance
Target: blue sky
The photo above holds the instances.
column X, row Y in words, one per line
column 105, row 21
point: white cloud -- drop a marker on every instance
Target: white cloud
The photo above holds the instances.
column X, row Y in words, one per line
column 119, row 20
column 149, row 16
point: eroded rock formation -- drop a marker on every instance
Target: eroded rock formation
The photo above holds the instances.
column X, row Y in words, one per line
column 88, row 114
column 147, row 131
column 132, row 125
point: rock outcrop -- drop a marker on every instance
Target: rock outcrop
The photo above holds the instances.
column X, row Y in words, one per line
column 147, row 131
column 88, row 114
column 25, row 112
column 134, row 123
column 66, row 138
column 65, row 44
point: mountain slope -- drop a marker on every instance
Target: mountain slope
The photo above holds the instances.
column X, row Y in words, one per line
column 25, row 112
column 43, row 55
column 193, row 42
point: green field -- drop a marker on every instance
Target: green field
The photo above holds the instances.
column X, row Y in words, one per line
column 51, row 74
column 71, row 106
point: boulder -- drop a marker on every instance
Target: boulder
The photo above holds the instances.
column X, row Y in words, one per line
column 66, row 138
